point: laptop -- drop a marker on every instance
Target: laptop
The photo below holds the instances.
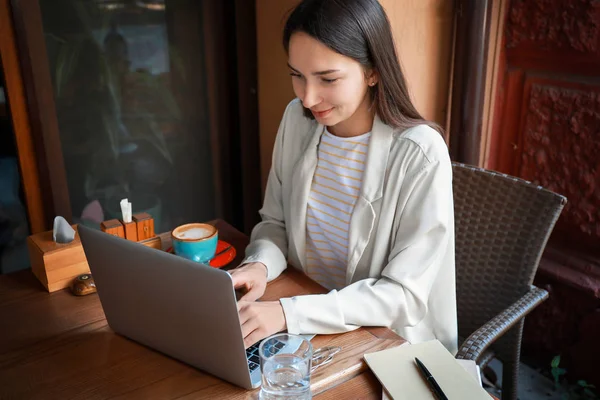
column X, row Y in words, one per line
column 178, row 307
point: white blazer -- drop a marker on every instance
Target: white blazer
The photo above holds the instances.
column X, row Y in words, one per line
column 400, row 269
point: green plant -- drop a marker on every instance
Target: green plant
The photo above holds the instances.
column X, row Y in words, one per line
column 579, row 390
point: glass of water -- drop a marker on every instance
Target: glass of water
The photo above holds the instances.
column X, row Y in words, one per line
column 285, row 363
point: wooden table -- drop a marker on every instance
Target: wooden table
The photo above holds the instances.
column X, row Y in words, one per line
column 55, row 346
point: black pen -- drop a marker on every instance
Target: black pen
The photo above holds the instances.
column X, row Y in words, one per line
column 437, row 390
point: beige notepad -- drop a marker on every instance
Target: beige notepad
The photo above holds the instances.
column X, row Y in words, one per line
column 469, row 365
column 396, row 370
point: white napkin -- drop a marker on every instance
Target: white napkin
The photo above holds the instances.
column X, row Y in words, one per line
column 126, row 210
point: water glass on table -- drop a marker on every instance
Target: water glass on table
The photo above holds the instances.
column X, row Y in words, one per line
column 285, row 364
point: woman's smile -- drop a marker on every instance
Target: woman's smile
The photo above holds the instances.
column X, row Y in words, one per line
column 321, row 114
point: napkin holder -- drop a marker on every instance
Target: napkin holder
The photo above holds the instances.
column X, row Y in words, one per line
column 55, row 265
column 140, row 229
column 144, row 224
column 113, row 227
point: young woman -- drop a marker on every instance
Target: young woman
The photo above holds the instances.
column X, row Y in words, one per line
column 359, row 195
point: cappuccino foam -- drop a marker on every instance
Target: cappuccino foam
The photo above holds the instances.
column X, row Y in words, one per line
column 194, row 233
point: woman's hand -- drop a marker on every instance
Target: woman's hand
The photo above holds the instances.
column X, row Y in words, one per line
column 260, row 319
column 251, row 277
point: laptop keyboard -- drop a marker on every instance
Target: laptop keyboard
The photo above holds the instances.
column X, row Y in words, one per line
column 252, row 354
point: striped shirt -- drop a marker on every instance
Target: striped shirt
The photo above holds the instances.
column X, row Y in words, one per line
column 335, row 188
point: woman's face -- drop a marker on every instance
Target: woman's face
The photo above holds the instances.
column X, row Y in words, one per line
column 334, row 87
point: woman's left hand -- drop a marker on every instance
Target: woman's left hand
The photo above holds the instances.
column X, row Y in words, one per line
column 260, row 319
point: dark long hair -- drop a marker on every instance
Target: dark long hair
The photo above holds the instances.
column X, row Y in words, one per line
column 360, row 29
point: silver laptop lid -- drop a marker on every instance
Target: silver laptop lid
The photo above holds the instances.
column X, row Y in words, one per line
column 178, row 307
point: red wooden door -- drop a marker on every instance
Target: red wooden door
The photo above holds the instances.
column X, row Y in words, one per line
column 547, row 128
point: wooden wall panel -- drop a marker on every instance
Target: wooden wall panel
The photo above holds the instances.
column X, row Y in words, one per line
column 274, row 84
column 423, row 34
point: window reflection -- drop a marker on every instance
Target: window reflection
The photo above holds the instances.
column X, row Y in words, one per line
column 130, row 108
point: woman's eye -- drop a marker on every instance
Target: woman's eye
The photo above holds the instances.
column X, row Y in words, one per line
column 330, row 80
column 295, row 75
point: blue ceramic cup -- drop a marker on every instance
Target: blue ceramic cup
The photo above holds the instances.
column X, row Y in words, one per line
column 196, row 242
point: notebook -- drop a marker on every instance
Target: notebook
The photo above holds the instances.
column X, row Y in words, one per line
column 396, row 370
column 469, row 365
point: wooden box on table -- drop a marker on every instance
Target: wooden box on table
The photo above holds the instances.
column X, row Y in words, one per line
column 145, row 226
column 56, row 264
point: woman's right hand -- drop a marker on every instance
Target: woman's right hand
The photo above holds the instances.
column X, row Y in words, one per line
column 251, row 277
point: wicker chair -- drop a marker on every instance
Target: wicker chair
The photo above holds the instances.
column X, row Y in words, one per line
column 502, row 226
